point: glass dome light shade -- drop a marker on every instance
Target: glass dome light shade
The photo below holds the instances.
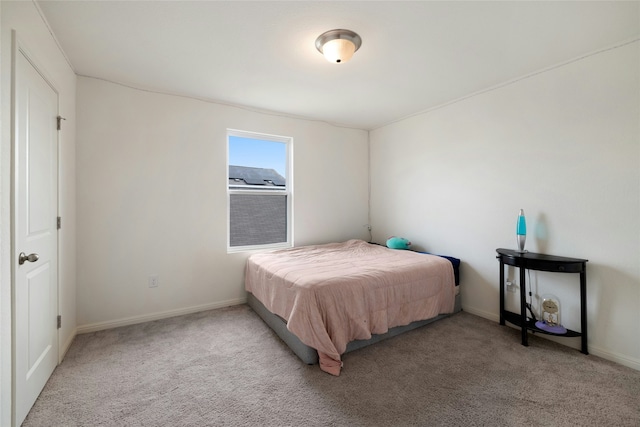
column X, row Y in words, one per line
column 338, row 50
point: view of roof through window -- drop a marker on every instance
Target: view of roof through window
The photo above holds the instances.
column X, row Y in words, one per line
column 256, row 162
column 243, row 175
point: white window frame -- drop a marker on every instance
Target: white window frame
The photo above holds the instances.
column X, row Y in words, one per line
column 259, row 190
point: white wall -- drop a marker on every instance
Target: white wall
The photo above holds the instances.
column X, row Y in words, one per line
column 23, row 17
column 564, row 145
column 152, row 199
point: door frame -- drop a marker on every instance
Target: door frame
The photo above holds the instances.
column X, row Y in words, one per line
column 18, row 47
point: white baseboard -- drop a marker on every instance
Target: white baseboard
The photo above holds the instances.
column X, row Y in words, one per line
column 484, row 314
column 94, row 327
column 615, row 357
column 595, row 350
column 65, row 346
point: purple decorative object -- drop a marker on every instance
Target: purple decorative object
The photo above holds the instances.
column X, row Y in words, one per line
column 555, row 329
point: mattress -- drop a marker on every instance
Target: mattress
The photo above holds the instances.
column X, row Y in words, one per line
column 309, row 355
column 332, row 295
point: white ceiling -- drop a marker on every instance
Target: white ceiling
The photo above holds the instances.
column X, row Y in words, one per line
column 415, row 55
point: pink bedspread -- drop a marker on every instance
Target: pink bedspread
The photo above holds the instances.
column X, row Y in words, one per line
column 336, row 293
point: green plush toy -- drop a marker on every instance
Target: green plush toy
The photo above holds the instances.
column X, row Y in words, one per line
column 398, row 243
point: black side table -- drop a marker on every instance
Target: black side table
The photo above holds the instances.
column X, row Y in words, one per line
column 542, row 262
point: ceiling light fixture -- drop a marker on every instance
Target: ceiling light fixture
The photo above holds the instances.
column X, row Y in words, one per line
column 338, row 45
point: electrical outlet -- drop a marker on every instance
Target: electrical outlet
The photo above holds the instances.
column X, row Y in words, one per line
column 153, row 281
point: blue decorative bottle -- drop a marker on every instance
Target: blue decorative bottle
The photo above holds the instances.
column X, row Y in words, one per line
column 521, row 231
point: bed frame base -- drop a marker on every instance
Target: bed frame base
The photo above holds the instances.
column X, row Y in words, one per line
column 308, row 354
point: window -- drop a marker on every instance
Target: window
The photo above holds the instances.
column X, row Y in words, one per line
column 259, row 190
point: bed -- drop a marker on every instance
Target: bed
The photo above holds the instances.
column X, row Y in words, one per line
column 325, row 300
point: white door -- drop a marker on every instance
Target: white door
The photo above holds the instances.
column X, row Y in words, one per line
column 35, row 254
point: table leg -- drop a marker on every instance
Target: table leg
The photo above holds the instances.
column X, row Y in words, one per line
column 523, row 306
column 501, row 291
column 583, row 309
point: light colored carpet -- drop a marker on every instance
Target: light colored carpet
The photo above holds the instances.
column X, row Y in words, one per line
column 226, row 368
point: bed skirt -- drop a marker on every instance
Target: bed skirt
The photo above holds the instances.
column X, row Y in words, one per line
column 308, row 354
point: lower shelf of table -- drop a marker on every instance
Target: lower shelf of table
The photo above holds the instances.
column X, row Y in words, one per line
column 530, row 324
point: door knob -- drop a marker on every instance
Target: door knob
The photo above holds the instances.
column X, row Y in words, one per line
column 22, row 258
